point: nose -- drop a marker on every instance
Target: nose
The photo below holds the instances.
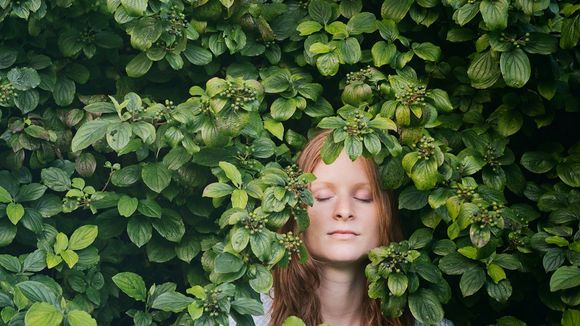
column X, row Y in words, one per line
column 343, row 210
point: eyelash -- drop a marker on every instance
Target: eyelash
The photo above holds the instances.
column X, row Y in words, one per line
column 362, row 200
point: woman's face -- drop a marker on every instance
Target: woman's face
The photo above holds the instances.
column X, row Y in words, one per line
column 344, row 219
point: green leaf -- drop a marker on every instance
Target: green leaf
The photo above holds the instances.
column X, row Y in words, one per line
column 23, row 78
column 495, row 13
column 350, row 50
column 239, row 198
column 427, row 51
column 569, row 172
column 383, row 53
column 118, row 135
column 39, row 292
column 500, row 291
column 261, row 244
column 395, row 9
column 413, row 199
column 515, row 68
column 228, row 263
column 7, row 57
column 231, row 172
column 425, row 307
column 156, row 176
column 440, row 99
column 538, row 162
column 293, row 321
column 570, row 33
column 248, row 306
column 89, row 133
column 139, row 231
column 5, row 196
column 471, row 281
column 484, row 70
column 170, row 226
column 397, row 283
column 127, row 205
column 83, row 237
column 64, row 91
column 70, row 257
column 80, row 318
column 138, row 66
column 197, row 55
column 424, row 174
column 495, row 272
column 55, row 179
column 131, row 284
column 308, row 27
column 171, row 301
column 353, row 147
column 320, row 10
column 277, row 82
column 43, row 314
column 364, row 22
column 571, row 317
column 328, row 64
column 240, row 238
column 217, row 189
column 372, row 143
column 15, row 212
column 10, row 263
column 135, row 7
column 263, row 280
column 565, row 277
column 282, row 109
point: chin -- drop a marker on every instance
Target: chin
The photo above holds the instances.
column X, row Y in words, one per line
column 343, row 257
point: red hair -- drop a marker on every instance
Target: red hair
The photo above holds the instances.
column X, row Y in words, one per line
column 296, row 284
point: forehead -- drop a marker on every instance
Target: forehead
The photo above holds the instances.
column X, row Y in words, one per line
column 342, row 170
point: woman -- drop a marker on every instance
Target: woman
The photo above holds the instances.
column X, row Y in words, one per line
column 350, row 216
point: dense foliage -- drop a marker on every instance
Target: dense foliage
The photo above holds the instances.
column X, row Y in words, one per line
column 147, row 154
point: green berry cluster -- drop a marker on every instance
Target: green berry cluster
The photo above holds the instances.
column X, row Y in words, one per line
column 304, row 4
column 361, row 75
column 491, row 156
column 7, row 92
column 176, row 21
column 255, row 222
column 239, row 95
column 268, row 44
column 357, row 126
column 395, row 259
column 291, row 242
column 169, row 104
column 425, row 147
column 517, row 42
column 412, row 95
column 210, row 304
column 488, row 217
column 294, row 184
column 466, row 193
column 87, row 35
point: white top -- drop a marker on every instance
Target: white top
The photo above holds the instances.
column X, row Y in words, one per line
column 267, row 301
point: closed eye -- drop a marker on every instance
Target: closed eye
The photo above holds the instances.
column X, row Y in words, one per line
column 364, row 200
column 322, row 199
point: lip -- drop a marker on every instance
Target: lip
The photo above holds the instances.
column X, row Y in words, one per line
column 342, row 232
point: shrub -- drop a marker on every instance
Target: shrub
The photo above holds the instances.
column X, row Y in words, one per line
column 148, row 147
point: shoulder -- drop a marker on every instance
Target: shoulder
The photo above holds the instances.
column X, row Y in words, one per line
column 444, row 322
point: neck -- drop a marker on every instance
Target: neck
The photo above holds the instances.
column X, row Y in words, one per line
column 340, row 292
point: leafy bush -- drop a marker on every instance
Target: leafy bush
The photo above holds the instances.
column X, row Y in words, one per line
column 147, row 151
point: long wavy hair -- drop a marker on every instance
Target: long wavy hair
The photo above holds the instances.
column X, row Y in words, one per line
column 295, row 286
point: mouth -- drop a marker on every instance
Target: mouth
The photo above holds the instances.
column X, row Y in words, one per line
column 343, row 234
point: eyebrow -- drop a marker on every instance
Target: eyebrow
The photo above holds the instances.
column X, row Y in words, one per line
column 318, row 184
